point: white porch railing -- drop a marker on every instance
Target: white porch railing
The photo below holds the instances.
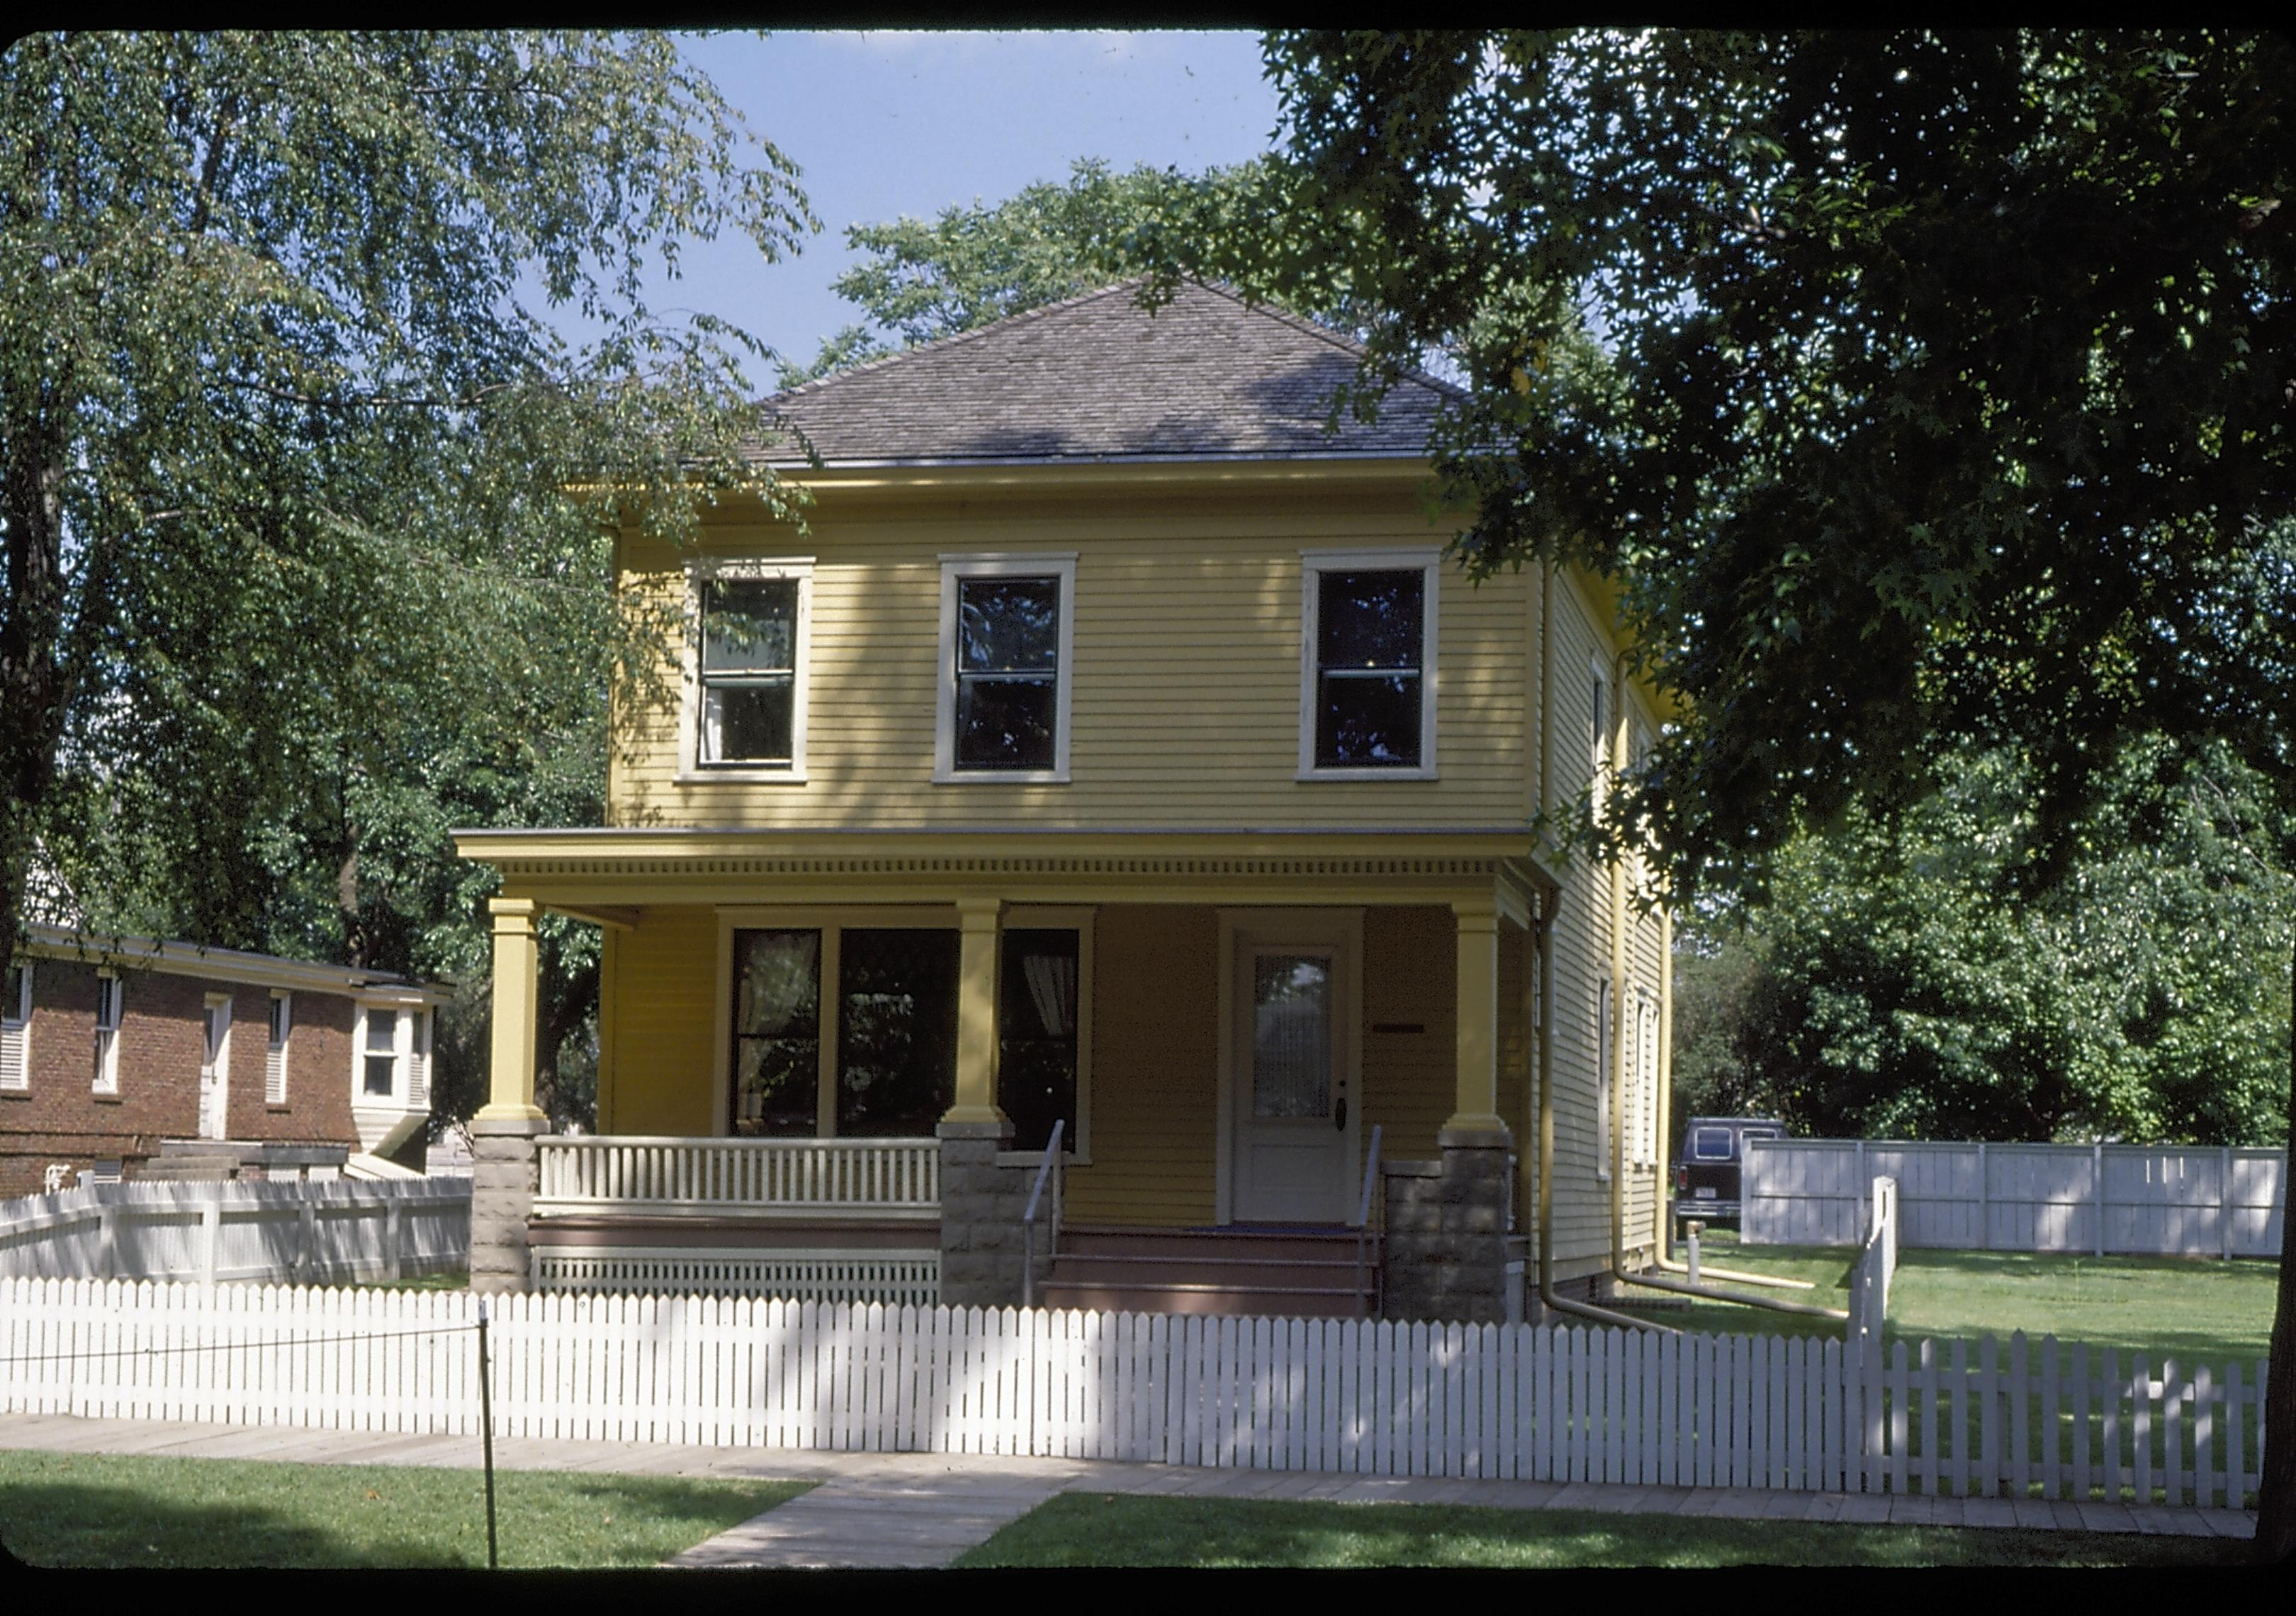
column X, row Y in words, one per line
column 879, row 1178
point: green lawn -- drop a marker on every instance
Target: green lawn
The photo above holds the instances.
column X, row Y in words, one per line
column 119, row 1510
column 2196, row 1309
column 1096, row 1529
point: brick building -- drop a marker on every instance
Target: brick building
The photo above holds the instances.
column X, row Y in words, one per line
column 109, row 1047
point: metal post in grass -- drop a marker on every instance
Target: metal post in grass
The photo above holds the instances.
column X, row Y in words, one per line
column 487, row 1431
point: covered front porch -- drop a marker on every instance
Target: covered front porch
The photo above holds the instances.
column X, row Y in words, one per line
column 1203, row 1077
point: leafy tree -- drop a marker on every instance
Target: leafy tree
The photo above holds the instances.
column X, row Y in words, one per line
column 1938, row 397
column 1894, row 985
column 304, row 508
column 971, row 266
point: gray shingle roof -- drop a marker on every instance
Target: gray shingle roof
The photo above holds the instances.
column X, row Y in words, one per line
column 1097, row 378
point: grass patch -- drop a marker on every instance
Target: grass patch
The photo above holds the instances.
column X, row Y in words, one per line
column 453, row 1279
column 2197, row 1310
column 115, row 1510
column 1096, row 1529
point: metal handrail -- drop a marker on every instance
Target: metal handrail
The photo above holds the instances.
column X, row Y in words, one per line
column 1363, row 1206
column 1029, row 1218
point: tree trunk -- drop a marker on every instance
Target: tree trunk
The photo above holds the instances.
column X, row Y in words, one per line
column 2275, row 1499
column 35, row 683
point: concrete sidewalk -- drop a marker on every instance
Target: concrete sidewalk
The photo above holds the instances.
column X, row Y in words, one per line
column 915, row 1510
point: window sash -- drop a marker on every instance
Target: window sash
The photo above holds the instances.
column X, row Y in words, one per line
column 378, row 1061
column 1367, row 706
column 744, row 708
column 110, row 1008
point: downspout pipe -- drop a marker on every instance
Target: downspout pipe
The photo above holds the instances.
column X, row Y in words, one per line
column 1548, row 901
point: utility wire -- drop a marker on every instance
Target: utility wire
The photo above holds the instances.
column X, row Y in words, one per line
column 293, row 1341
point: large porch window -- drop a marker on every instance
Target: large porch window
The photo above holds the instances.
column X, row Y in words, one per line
column 850, row 1031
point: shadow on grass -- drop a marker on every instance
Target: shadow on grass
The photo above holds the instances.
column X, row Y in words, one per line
column 123, row 1511
column 1100, row 1530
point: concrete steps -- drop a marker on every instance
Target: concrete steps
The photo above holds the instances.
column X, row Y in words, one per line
column 1233, row 1271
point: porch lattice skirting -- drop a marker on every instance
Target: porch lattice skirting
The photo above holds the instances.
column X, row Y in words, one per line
column 1366, row 1397
column 911, row 1278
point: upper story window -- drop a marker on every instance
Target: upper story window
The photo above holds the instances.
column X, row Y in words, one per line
column 1006, row 636
column 110, row 1005
column 1367, row 664
column 16, row 1027
column 745, row 686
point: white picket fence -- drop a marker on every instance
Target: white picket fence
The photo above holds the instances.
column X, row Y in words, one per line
column 234, row 1231
column 2132, row 1199
column 1354, row 1396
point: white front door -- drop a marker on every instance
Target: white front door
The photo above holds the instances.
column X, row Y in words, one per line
column 1290, row 1033
column 215, row 1070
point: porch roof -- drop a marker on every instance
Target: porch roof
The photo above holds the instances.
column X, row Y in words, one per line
column 603, row 875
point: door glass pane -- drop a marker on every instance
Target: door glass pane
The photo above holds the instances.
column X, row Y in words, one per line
column 1291, row 1036
column 218, row 1018
column 896, row 1031
column 776, row 1033
column 1036, row 1036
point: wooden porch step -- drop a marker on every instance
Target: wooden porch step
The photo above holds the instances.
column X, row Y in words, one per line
column 1285, row 1272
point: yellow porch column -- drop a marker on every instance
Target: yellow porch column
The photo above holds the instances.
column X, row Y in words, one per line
column 1476, row 1108
column 976, row 1012
column 511, row 1088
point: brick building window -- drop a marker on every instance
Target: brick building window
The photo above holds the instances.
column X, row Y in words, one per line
column 110, row 996
column 16, row 1027
column 275, row 1050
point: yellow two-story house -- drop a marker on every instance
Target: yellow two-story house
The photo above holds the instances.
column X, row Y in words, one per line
column 1093, row 863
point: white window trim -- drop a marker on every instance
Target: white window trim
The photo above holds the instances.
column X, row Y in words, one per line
column 107, row 1034
column 832, row 923
column 705, row 568
column 1313, row 563
column 1003, row 563
column 16, row 1034
column 274, row 1055
column 395, row 1100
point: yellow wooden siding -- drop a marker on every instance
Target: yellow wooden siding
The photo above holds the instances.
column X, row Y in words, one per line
column 664, row 1019
column 1185, row 704
column 1410, row 1078
column 1155, row 1069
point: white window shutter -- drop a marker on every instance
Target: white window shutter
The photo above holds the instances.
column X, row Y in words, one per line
column 274, row 1054
column 15, row 1064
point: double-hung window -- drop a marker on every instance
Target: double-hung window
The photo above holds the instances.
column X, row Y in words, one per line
column 108, row 1008
column 16, row 1027
column 1367, row 664
column 379, row 1052
column 1006, row 639
column 746, row 683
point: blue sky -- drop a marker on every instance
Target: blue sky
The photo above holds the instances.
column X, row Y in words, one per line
column 887, row 124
